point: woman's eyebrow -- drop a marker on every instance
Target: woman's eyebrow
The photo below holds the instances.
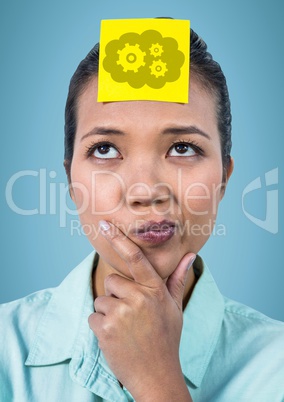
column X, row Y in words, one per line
column 185, row 130
column 102, row 131
column 169, row 130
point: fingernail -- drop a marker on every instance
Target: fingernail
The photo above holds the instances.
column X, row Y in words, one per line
column 191, row 261
column 104, row 226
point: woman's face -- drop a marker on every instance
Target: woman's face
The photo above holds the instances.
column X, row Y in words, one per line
column 154, row 169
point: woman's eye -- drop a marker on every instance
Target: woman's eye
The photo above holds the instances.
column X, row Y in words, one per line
column 106, row 151
column 181, row 149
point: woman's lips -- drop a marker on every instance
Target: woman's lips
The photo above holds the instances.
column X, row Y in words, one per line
column 155, row 232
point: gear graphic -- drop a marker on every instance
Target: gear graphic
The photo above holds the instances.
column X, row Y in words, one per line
column 131, row 57
column 156, row 49
column 158, row 68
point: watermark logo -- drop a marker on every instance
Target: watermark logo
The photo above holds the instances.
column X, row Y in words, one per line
column 270, row 223
column 206, row 229
column 196, row 199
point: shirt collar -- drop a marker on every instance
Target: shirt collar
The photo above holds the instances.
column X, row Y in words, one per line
column 202, row 322
column 65, row 317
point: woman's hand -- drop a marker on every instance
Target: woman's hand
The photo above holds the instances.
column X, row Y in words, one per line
column 138, row 324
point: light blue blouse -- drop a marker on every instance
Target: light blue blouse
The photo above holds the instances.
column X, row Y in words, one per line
column 228, row 352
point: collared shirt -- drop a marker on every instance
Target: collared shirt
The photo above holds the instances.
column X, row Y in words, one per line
column 228, row 352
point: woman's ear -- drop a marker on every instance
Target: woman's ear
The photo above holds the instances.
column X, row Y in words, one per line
column 67, row 166
column 227, row 175
column 230, row 168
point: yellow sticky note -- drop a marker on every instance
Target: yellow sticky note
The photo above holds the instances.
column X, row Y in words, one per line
column 144, row 59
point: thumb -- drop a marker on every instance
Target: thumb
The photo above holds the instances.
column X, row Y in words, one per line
column 177, row 280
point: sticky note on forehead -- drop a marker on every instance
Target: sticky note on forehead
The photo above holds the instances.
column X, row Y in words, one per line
column 144, row 59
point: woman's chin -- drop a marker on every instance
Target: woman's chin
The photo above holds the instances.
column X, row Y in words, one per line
column 163, row 263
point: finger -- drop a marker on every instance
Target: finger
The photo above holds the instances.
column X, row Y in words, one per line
column 118, row 286
column 105, row 304
column 177, row 280
column 96, row 321
column 140, row 268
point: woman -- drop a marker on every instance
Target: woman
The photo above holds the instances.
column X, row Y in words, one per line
column 138, row 320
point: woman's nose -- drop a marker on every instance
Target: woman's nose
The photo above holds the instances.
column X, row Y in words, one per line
column 147, row 190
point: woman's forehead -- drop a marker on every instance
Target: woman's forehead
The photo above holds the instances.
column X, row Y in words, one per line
column 149, row 115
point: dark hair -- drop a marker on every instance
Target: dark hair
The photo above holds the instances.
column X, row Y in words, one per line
column 202, row 66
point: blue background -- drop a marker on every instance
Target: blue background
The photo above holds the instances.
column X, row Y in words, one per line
column 41, row 45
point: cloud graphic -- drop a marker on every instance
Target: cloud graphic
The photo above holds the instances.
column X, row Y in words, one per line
column 148, row 58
